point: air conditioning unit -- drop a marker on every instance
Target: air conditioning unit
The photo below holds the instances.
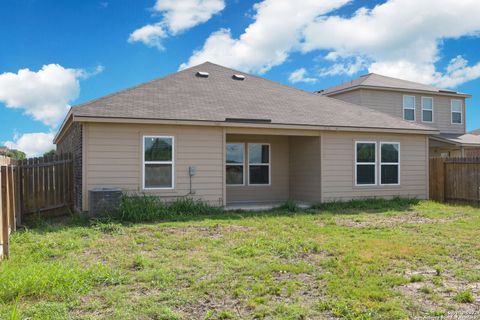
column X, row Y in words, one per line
column 104, row 201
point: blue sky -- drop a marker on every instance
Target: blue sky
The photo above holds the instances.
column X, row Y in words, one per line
column 79, row 50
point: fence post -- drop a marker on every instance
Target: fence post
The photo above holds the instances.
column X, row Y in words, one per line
column 11, row 199
column 4, row 207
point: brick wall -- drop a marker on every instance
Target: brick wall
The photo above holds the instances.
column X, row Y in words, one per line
column 72, row 143
column 472, row 152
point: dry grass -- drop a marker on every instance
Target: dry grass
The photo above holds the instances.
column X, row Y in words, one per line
column 396, row 260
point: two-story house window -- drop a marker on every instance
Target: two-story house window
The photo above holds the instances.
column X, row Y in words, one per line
column 456, row 111
column 427, row 109
column 409, row 108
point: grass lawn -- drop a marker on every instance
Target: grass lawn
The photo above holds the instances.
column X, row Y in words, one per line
column 362, row 260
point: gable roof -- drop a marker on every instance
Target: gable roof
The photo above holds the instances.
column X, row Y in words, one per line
column 184, row 96
column 373, row 80
column 465, row 140
column 475, row 132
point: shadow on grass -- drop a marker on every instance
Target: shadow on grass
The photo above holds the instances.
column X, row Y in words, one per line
column 41, row 224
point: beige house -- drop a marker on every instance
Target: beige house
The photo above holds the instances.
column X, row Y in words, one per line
column 230, row 138
column 441, row 109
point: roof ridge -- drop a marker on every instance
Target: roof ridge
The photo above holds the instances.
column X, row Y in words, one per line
column 316, row 95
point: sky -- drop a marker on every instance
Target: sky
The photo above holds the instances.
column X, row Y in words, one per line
column 56, row 54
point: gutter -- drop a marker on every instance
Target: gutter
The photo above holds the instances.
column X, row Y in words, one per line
column 426, row 131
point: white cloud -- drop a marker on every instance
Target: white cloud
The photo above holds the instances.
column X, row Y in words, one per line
column 348, row 67
column 401, row 38
column 151, row 35
column 182, row 15
column 267, row 42
column 33, row 144
column 458, row 72
column 300, row 75
column 45, row 95
column 177, row 16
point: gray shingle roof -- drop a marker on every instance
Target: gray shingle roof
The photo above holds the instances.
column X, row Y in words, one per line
column 379, row 81
column 475, row 132
column 185, row 96
column 466, row 139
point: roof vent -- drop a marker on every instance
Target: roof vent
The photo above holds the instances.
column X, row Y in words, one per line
column 238, row 77
column 202, row 74
column 247, row 120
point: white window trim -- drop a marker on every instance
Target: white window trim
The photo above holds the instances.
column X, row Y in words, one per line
column 423, row 109
column 366, row 163
column 235, row 164
column 414, row 108
column 461, row 111
column 172, row 162
column 389, row 163
column 260, row 164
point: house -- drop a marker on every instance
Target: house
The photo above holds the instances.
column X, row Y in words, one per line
column 4, row 160
column 418, row 103
column 230, row 138
column 476, row 151
column 3, row 150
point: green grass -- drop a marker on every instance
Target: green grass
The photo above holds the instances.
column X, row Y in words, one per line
column 375, row 259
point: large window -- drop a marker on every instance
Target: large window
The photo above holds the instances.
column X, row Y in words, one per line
column 456, row 111
column 409, row 108
column 389, row 163
column 427, row 109
column 258, row 164
column 365, row 163
column 234, row 164
column 158, row 163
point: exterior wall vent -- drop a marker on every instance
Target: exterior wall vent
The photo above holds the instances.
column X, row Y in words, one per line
column 202, row 74
column 238, row 77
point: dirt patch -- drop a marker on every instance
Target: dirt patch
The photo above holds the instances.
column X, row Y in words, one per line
column 216, row 231
column 437, row 292
column 201, row 308
column 384, row 221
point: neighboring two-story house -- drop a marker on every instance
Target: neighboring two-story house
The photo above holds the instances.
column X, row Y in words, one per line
column 415, row 102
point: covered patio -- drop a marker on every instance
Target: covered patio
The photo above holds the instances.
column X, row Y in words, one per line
column 265, row 170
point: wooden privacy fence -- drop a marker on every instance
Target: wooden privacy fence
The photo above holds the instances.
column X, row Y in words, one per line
column 38, row 185
column 46, row 184
column 455, row 179
column 9, row 205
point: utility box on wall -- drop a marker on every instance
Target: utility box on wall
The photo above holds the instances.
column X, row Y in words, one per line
column 104, row 201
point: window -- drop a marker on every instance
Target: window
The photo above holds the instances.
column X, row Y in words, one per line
column 158, row 162
column 365, row 163
column 427, row 109
column 234, row 164
column 258, row 164
column 389, row 163
column 409, row 108
column 456, row 111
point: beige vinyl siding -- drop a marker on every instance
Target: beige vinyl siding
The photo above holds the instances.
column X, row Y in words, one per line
column 278, row 190
column 114, row 159
column 353, row 96
column 391, row 102
column 338, row 167
column 305, row 169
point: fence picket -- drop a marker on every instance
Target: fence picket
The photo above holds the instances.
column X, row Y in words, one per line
column 4, row 211
column 455, row 179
